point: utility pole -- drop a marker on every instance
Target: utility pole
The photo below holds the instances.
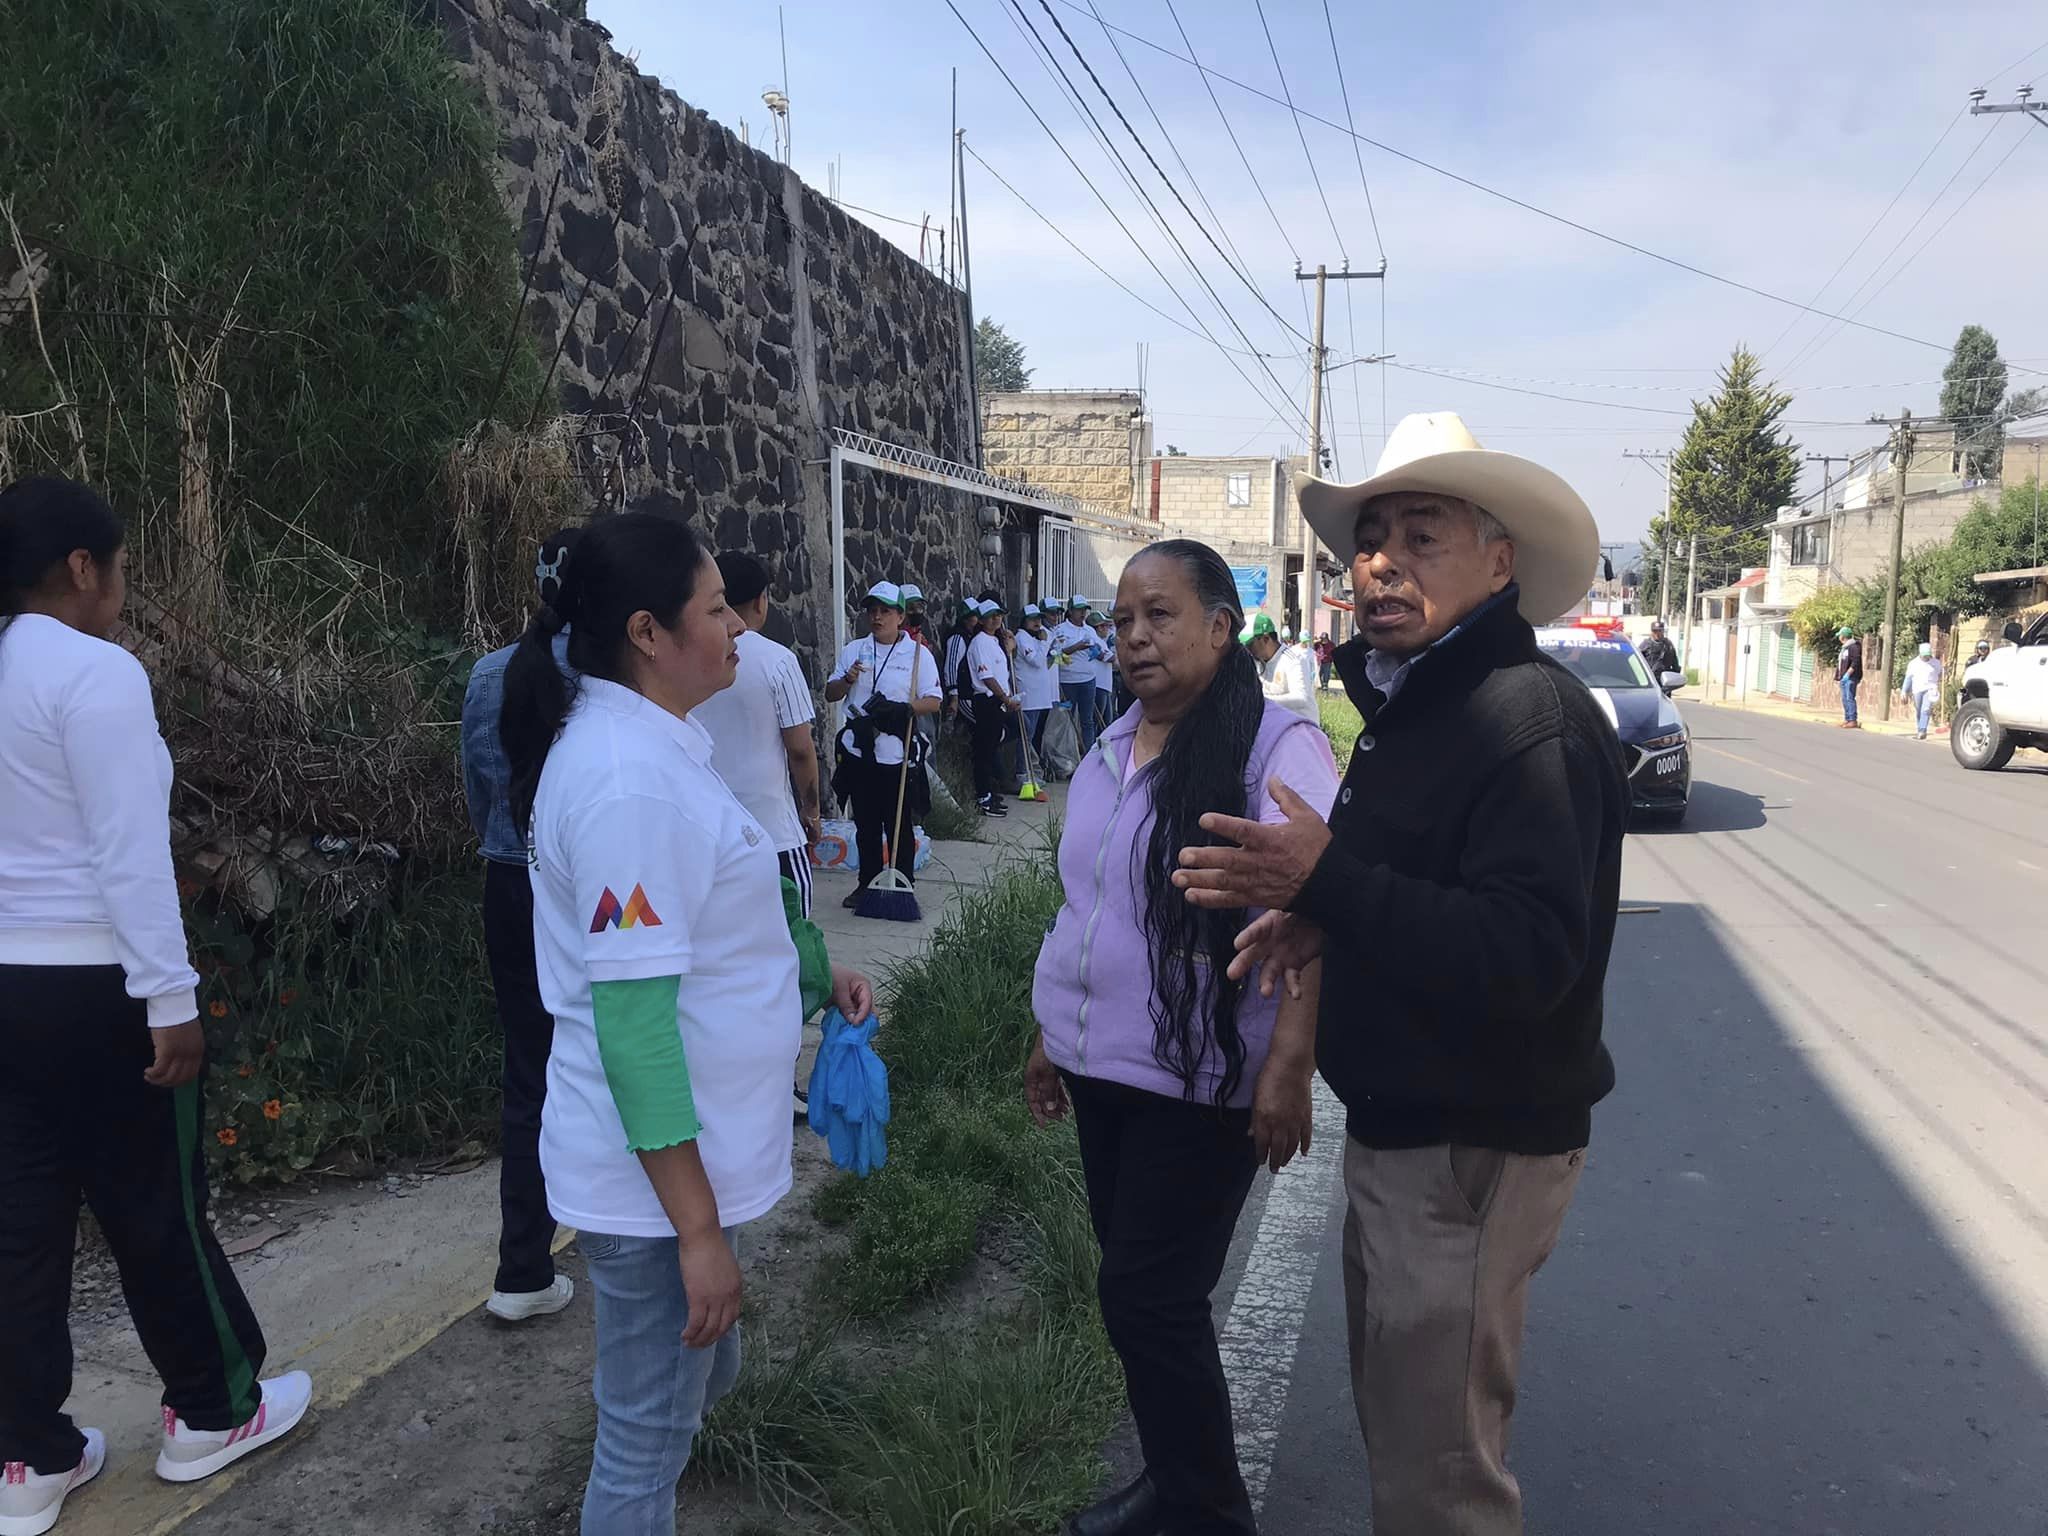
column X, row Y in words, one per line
column 2035, row 110
column 1827, row 463
column 967, row 289
column 1311, row 588
column 1902, row 458
column 1663, row 457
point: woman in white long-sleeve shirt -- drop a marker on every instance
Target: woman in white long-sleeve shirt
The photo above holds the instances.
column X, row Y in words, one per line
column 100, row 1032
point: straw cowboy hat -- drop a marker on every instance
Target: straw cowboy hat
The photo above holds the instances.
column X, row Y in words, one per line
column 1557, row 545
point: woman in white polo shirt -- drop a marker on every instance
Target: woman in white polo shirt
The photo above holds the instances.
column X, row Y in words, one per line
column 665, row 958
column 886, row 679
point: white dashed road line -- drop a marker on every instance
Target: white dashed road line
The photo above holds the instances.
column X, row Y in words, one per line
column 1263, row 1333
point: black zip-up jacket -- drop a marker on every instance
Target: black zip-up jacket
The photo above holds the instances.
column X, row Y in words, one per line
column 1468, row 898
column 1660, row 656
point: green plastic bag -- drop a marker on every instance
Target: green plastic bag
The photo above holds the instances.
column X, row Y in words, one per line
column 814, row 966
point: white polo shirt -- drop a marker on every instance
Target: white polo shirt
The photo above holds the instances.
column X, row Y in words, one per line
column 889, row 668
column 645, row 865
column 1105, row 664
column 989, row 665
column 1068, row 636
column 1037, row 682
column 746, row 722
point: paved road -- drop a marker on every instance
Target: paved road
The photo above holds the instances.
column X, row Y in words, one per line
column 1804, row 1286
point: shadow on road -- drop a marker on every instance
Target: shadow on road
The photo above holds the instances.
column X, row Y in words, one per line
column 1714, row 808
column 1752, row 1324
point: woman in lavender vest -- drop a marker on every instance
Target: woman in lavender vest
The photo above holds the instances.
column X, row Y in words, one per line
column 1181, row 1081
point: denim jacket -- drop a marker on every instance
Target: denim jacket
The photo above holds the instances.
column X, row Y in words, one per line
column 486, row 775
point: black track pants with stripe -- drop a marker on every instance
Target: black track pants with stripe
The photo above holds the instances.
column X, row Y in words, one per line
column 77, row 1122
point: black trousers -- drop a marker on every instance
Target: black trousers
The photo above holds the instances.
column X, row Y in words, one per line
column 874, row 818
column 526, row 1229
column 991, row 730
column 77, row 1122
column 1166, row 1181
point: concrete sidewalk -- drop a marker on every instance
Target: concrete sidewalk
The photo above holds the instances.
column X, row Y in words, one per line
column 367, row 1273
column 1901, row 723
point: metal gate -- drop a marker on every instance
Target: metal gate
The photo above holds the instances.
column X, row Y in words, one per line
column 1782, row 684
column 1055, row 558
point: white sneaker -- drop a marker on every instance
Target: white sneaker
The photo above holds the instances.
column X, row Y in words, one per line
column 31, row 1501
column 189, row 1454
column 518, row 1306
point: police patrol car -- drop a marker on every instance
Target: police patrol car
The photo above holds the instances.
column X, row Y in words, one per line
column 1654, row 739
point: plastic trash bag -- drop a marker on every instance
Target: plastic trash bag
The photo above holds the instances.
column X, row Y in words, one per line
column 849, row 1094
column 1061, row 753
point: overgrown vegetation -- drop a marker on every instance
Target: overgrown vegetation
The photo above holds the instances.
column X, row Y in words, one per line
column 257, row 285
column 989, row 1432
column 1341, row 723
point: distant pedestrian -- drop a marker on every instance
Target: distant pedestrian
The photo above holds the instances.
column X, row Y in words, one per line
column 963, row 629
column 992, row 703
column 1037, row 679
column 1658, row 653
column 1922, row 686
column 1105, row 672
column 1075, row 646
column 1181, row 1083
column 1849, row 674
column 1287, row 672
column 526, row 1285
column 1977, row 653
column 666, row 958
column 1325, row 649
column 100, row 1034
column 886, row 679
column 1462, row 901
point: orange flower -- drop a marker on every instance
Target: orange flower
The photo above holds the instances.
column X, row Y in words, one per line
column 226, row 1136
column 273, row 1110
column 217, row 1008
column 288, row 996
column 246, row 1069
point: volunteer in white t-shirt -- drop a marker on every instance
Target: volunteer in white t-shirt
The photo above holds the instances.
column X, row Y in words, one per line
column 1105, row 671
column 761, row 728
column 665, row 957
column 1286, row 672
column 1074, row 643
column 995, row 702
column 886, row 680
column 1038, row 680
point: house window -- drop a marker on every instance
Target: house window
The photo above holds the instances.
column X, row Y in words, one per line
column 1810, row 544
column 1237, row 490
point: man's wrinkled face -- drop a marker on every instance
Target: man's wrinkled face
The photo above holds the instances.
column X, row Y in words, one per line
column 1419, row 568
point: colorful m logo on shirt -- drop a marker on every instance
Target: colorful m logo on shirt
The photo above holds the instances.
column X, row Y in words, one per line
column 636, row 913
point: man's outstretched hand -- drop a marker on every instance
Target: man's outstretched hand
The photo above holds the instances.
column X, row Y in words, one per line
column 1269, row 864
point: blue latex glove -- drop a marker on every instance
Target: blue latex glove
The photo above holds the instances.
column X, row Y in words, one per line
column 849, row 1094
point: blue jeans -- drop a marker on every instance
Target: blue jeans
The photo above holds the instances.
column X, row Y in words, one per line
column 1849, row 699
column 1924, row 703
column 1082, row 696
column 652, row 1393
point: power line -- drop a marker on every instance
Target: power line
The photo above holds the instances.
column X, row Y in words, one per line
column 1235, row 270
column 1961, row 113
column 1526, row 206
column 1144, row 196
column 1098, row 266
column 1612, row 405
column 2015, row 64
column 1167, row 134
column 1107, row 208
column 1295, row 115
column 1823, row 336
column 1357, row 154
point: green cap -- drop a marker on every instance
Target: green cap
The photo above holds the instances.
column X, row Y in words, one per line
column 1261, row 624
column 1845, row 633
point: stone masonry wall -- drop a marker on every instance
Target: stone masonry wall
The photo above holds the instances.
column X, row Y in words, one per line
column 716, row 318
column 1076, row 442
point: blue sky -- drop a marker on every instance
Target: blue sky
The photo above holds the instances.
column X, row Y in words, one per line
column 1756, row 140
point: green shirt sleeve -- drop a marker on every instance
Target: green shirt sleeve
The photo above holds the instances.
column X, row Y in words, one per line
column 814, row 967
column 642, row 1052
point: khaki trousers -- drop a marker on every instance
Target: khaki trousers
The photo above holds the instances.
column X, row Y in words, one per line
column 1439, row 1245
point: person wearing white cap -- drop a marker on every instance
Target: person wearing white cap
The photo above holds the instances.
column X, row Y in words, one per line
column 991, row 701
column 1922, row 686
column 1075, row 645
column 1462, row 900
column 1037, row 681
column 886, row 679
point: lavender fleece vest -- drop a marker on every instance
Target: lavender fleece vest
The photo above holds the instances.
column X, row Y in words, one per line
column 1092, row 992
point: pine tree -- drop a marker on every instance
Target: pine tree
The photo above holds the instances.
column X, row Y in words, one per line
column 1734, row 469
column 1973, row 400
column 998, row 359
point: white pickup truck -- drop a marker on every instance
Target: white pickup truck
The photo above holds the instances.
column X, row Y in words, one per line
column 2005, row 700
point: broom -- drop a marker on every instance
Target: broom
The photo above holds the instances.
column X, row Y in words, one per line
column 889, row 895
column 1029, row 789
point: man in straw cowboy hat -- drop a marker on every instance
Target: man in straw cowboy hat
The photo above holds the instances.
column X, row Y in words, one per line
column 1461, row 902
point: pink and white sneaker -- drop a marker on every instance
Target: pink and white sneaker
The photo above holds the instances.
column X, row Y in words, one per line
column 190, row 1454
column 31, row 1501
